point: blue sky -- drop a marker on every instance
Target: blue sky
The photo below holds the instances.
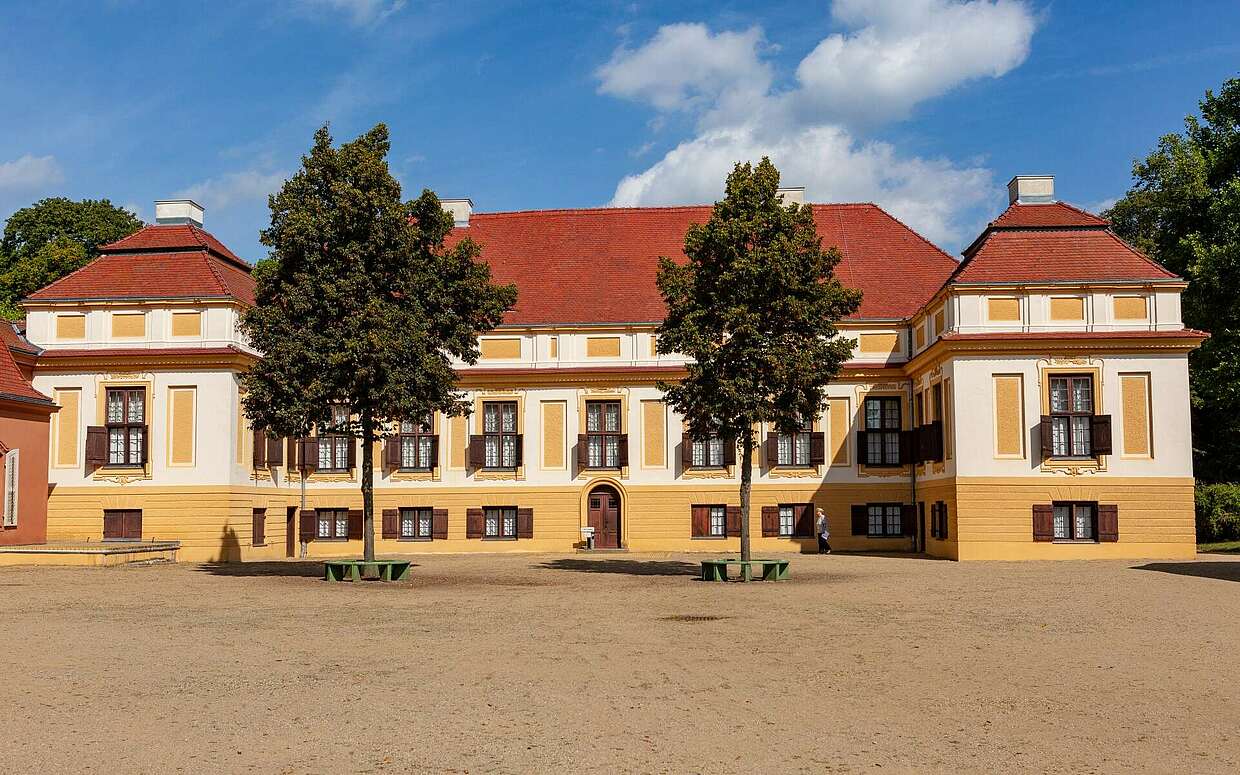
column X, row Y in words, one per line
column 925, row 106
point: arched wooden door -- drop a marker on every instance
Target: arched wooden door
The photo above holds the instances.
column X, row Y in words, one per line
column 604, row 517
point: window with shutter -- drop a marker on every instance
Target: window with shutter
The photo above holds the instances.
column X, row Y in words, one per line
column 416, row 445
column 794, row 449
column 500, row 439
column 335, row 444
column 882, row 438
column 125, row 421
column 12, row 480
column 884, row 520
column 1074, row 521
column 710, row 521
column 499, row 522
column 332, row 524
column 1072, row 430
column 603, row 436
column 416, row 524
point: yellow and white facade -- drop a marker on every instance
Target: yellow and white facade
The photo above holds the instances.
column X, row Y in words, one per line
column 931, row 440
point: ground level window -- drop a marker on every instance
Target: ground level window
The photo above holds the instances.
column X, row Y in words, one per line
column 884, row 519
column 333, row 524
column 415, row 523
column 500, row 522
column 1075, row 521
column 718, row 524
column 787, row 520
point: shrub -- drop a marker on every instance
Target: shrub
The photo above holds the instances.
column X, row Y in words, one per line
column 1218, row 512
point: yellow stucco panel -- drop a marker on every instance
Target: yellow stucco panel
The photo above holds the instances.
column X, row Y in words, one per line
column 602, row 347
column 458, row 437
column 505, row 348
column 878, row 344
column 1067, row 308
column 553, row 346
column 128, row 325
column 1135, row 397
column 1003, row 308
column 840, row 419
column 181, row 430
column 70, row 326
column 1131, row 308
column 1009, row 416
column 65, row 426
column 187, row 324
column 554, row 414
column 654, row 434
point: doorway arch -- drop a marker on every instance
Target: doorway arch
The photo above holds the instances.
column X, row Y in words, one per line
column 604, row 512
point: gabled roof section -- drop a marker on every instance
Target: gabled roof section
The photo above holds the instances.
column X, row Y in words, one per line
column 11, row 337
column 1053, row 242
column 12, row 384
column 158, row 262
column 598, row 266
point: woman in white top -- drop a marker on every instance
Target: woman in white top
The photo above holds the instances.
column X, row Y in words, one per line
column 824, row 532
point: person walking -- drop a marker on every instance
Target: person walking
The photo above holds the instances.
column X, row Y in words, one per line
column 824, row 532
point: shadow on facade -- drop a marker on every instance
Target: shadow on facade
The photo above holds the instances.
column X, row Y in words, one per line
column 1224, row 571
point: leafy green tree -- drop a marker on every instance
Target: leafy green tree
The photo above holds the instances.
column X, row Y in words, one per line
column 53, row 237
column 755, row 309
column 1184, row 211
column 361, row 305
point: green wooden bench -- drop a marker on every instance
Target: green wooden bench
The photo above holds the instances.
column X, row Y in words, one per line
column 771, row 570
column 388, row 570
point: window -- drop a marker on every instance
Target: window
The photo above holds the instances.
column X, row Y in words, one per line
column 936, row 402
column 882, row 425
column 717, row 526
column 126, row 426
column 1072, row 409
column 333, row 524
column 499, row 522
column 793, row 448
column 499, row 430
column 417, row 444
column 787, row 520
column 258, row 533
column 884, row 519
column 334, row 447
column 1075, row 521
column 12, row 487
column 707, row 452
column 603, row 434
column 415, row 524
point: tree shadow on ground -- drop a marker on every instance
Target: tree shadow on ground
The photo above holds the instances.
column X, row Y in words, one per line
column 304, row 569
column 625, row 567
column 1224, row 571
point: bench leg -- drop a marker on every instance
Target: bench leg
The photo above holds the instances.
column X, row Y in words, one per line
column 783, row 572
column 404, row 572
column 355, row 573
column 746, row 573
column 327, row 572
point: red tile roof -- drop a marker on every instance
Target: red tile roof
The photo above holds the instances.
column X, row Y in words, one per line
column 158, row 262
column 1053, row 242
column 10, row 337
column 12, row 383
column 599, row 265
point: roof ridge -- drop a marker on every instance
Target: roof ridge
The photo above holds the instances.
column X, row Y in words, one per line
column 643, row 208
column 1141, row 255
column 216, row 274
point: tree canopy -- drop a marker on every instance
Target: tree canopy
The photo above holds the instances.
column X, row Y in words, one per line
column 1184, row 211
column 361, row 304
column 53, row 237
column 755, row 309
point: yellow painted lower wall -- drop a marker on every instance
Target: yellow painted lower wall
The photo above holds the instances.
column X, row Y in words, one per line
column 988, row 518
column 995, row 517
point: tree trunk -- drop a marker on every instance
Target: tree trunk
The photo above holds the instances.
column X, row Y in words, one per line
column 368, row 486
column 746, row 486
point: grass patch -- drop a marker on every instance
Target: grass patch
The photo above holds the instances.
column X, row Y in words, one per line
column 1231, row 547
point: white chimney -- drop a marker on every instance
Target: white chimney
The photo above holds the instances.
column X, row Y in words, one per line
column 1031, row 189
column 459, row 209
column 792, row 195
column 178, row 211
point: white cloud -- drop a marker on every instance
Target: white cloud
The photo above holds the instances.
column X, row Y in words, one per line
column 360, row 12
column 895, row 54
column 234, row 188
column 27, row 173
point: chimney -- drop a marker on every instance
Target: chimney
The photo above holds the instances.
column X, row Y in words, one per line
column 792, row 195
column 178, row 211
column 459, row 209
column 1031, row 189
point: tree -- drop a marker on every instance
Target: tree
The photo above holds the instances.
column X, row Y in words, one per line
column 53, row 237
column 754, row 308
column 1184, row 211
column 361, row 305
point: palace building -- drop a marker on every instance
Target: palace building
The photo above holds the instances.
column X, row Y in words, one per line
column 1029, row 400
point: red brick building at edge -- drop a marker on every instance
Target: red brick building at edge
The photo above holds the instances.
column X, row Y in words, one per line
column 25, row 414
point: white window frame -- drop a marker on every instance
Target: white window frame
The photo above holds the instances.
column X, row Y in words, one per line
column 12, row 486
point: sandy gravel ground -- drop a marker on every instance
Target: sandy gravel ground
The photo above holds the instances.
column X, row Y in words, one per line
column 543, row 663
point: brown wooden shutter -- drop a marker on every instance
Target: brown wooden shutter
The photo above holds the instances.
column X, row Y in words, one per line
column 1043, row 522
column 355, row 524
column 622, row 451
column 772, row 449
column 1100, row 434
column 308, row 457
column 308, row 524
column 942, row 520
column 113, row 524
column 260, row 449
column 525, row 523
column 275, row 451
column 146, row 444
column 860, row 519
column 520, row 444
column 805, row 521
column 477, row 451
column 473, row 523
column 1108, row 522
column 770, row 520
column 686, row 453
column 391, row 523
column 936, row 448
column 434, row 452
column 1047, row 435
column 862, row 445
column 817, row 449
column 439, row 524
column 934, row 520
column 699, row 521
column 292, row 453
column 732, row 523
column 96, row 445
column 908, row 519
column 729, row 452
column 906, row 447
column 583, row 451
column 351, row 454
column 391, row 453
